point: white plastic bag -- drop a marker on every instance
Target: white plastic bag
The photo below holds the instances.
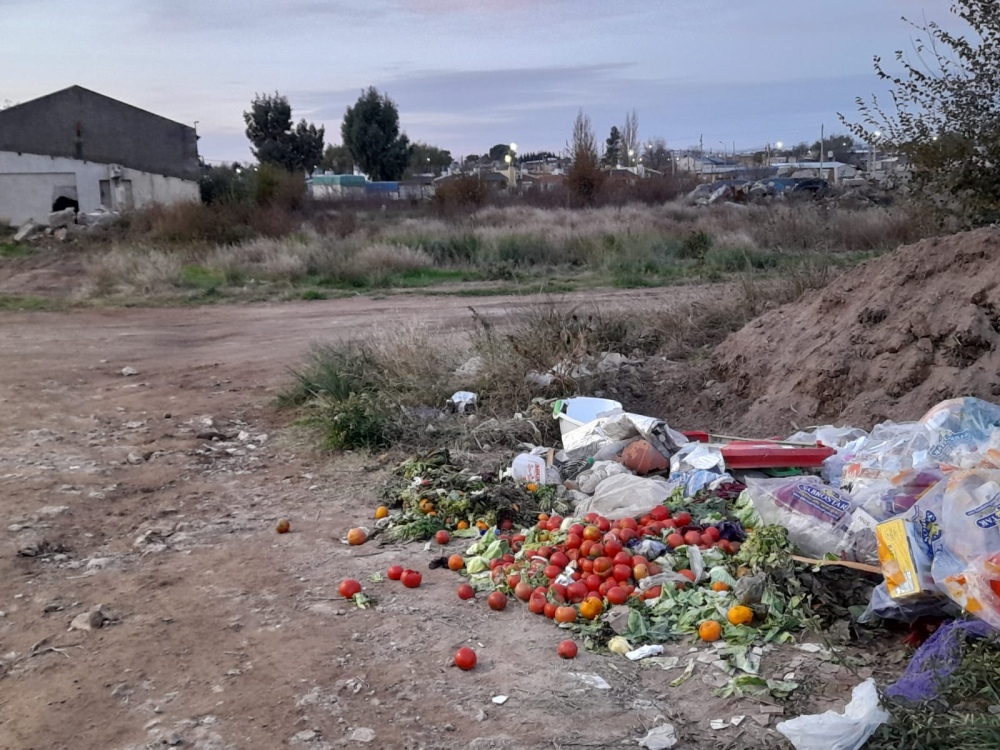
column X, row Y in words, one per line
column 601, row 470
column 832, row 731
column 625, row 495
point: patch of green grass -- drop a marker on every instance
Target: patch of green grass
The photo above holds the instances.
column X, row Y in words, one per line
column 19, row 302
column 202, row 278
column 11, row 250
column 312, row 294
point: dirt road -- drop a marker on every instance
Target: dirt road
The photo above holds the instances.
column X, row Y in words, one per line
column 219, row 632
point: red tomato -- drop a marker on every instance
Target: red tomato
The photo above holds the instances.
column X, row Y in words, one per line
column 630, row 523
column 567, row 650
column 586, row 565
column 552, row 572
column 573, row 554
column 654, row 568
column 623, row 558
column 465, row 591
column 593, row 582
column 558, row 592
column 590, row 517
column 669, row 524
column 545, row 552
column 622, row 573
column 411, row 579
column 692, row 537
column 611, row 545
column 597, row 550
column 513, row 580
column 550, row 609
column 682, row 519
column 395, row 572
column 603, row 524
column 735, row 547
column 675, row 541
column 645, row 520
column 654, row 529
column 349, row 588
column 714, row 533
column 706, row 539
column 592, row 533
column 637, row 560
column 653, row 592
column 627, row 535
column 443, row 537
column 724, row 545
column 559, row 559
column 495, row 563
column 555, row 522
column 465, row 658
column 586, row 546
column 687, row 574
column 608, row 584
column 573, row 541
column 576, row 528
column 660, row 513
column 536, row 604
column 603, row 565
column 617, row 595
column 523, row 591
column 576, row 592
column 497, row 600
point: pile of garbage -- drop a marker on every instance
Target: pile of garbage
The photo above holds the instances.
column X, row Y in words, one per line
column 633, row 534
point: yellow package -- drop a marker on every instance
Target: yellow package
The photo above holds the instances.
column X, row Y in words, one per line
column 907, row 571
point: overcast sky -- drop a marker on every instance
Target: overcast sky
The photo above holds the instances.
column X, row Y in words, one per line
column 470, row 73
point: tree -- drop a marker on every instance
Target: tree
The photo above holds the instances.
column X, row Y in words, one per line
column 800, row 150
column 371, row 133
column 613, row 148
column 584, row 178
column 337, row 159
column 499, row 151
column 841, row 146
column 657, row 156
column 630, row 135
column 947, row 113
column 275, row 141
column 425, row 158
column 537, row 156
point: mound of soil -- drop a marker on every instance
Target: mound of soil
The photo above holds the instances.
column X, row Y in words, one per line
column 887, row 340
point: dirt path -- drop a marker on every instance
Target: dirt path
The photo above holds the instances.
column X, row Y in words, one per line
column 222, row 633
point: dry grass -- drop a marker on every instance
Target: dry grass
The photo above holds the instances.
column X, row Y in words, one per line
column 137, row 270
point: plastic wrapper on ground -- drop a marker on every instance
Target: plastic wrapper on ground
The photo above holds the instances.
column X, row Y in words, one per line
column 960, row 431
column 966, row 552
column 587, row 440
column 835, row 731
column 625, row 495
column 589, row 480
column 889, row 451
column 818, row 517
column 883, row 607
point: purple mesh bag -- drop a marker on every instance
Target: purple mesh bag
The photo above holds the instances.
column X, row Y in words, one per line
column 936, row 660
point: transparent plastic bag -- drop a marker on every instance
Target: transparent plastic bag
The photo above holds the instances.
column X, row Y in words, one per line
column 890, row 497
column 818, row 517
column 960, row 431
column 890, row 450
column 966, row 552
column 849, row 730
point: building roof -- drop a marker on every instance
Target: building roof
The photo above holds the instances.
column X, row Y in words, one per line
column 78, row 123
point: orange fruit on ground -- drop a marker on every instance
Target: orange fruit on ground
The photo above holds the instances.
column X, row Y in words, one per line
column 565, row 614
column 456, row 562
column 591, row 608
column 710, row 631
column 720, row 586
column 740, row 615
column 357, row 536
column 283, row 526
column 462, row 525
column 381, row 512
column 482, row 525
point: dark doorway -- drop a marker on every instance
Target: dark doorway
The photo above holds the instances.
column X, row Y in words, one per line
column 62, row 202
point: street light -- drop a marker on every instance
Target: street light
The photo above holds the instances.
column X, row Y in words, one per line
column 509, row 158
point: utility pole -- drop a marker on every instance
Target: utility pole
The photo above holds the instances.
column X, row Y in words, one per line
column 822, row 147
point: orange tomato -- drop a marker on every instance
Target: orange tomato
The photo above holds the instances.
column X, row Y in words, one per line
column 710, row 631
column 591, row 608
column 456, row 562
column 720, row 586
column 565, row 614
column 381, row 512
column 357, row 536
column 740, row 615
column 462, row 525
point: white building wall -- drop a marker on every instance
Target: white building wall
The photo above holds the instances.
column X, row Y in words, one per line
column 29, row 183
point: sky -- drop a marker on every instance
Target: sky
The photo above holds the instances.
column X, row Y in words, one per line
column 467, row 74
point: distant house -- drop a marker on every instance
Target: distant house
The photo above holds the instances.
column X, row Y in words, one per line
column 831, row 171
column 420, row 187
column 708, row 165
column 79, row 149
column 549, row 181
column 336, row 186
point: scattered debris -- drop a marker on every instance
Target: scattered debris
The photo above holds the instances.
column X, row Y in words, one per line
column 660, row 738
column 129, row 372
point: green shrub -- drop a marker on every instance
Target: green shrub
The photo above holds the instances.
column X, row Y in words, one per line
column 358, row 422
column 695, row 246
